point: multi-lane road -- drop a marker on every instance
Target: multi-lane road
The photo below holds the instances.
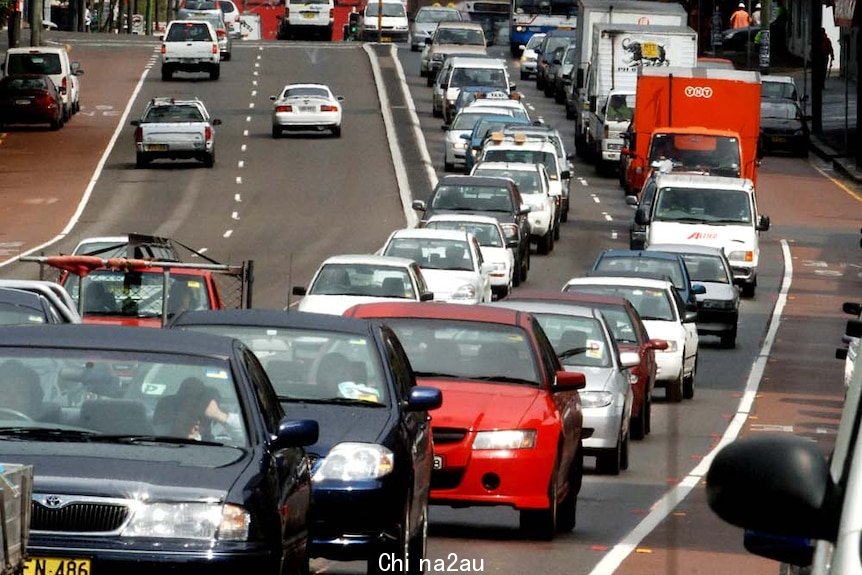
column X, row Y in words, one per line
column 291, row 202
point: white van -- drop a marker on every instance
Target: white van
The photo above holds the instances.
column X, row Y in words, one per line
column 708, row 210
column 53, row 62
column 461, row 71
column 392, row 20
column 308, row 16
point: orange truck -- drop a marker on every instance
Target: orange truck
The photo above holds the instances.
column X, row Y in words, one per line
column 701, row 120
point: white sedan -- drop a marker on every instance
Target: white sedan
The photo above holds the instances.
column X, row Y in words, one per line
column 497, row 249
column 451, row 262
column 307, row 107
column 344, row 281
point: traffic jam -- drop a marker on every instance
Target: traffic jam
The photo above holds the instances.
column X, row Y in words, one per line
column 396, row 288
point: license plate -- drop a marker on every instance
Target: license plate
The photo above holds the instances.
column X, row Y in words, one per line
column 157, row 147
column 310, row 14
column 23, row 102
column 438, row 462
column 56, row 566
column 307, row 109
column 778, row 139
column 650, row 50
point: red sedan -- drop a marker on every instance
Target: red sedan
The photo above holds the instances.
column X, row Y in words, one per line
column 631, row 335
column 509, row 430
column 30, row 99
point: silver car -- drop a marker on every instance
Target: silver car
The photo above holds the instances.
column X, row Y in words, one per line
column 175, row 129
column 425, row 22
column 584, row 343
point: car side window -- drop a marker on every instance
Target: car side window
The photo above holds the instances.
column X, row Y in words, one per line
column 266, row 397
column 550, row 361
column 402, row 372
column 478, row 251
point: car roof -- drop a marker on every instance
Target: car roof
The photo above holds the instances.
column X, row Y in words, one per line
column 430, row 233
column 439, row 310
column 37, row 50
column 536, row 306
column 372, row 259
column 274, row 318
column 619, row 279
column 473, row 62
column 305, row 85
column 513, row 166
column 487, row 181
column 704, row 181
column 463, row 218
column 116, row 338
column 687, row 249
column 568, row 296
column 509, row 143
column 645, row 254
column 457, row 23
column 21, row 297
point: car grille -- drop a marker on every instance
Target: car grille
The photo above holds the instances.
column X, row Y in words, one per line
column 444, row 435
column 446, row 478
column 78, row 517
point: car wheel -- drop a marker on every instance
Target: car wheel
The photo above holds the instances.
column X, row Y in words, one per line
column 524, row 75
column 548, row 90
column 540, row 84
column 541, row 524
column 557, row 229
column 429, row 79
column 141, row 160
column 609, row 461
column 57, row 124
column 215, row 72
column 674, row 390
column 748, row 289
column 553, row 242
column 516, row 276
column 688, row 382
column 448, row 166
column 209, row 159
column 560, row 97
column 402, row 548
column 545, row 242
column 567, row 509
column 564, row 216
column 336, row 132
column 167, row 73
column 648, row 401
column 418, row 544
column 728, row 339
column 637, row 425
column 624, row 450
column 570, row 114
column 276, row 132
column 580, row 146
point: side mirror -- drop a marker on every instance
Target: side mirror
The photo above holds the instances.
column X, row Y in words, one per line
column 427, row 41
column 632, row 201
column 340, row 98
column 216, row 122
column 426, row 296
column 513, row 87
column 570, row 381
column 625, row 151
column 656, row 344
column 763, row 224
column 467, row 137
column 486, row 268
column 852, row 307
column 523, row 210
column 161, row 38
column 62, row 89
column 538, row 50
column 418, row 205
column 513, row 243
column 423, row 399
column 698, row 289
column 295, row 433
column 629, row 359
column 299, row 290
column 689, row 317
column 641, row 217
column 571, row 157
column 565, row 175
column 135, row 123
column 273, row 98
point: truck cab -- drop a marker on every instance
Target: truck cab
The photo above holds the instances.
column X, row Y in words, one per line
column 607, row 125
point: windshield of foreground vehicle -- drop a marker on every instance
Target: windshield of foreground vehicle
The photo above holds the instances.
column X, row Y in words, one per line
column 11, row 314
column 651, row 303
column 669, row 268
column 467, row 197
column 363, row 280
column 120, row 394
column 433, row 253
column 468, row 350
column 780, row 110
column 40, row 63
column 495, row 77
column 703, row 268
column 487, row 234
column 527, row 180
column 719, row 155
column 173, row 113
column 389, row 9
column 430, row 15
column 313, row 365
column 619, row 322
column 702, row 205
column 524, row 157
column 463, row 36
column 578, row 341
column 557, row 7
column 305, row 92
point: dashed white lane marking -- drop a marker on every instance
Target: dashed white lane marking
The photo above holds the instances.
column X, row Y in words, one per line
column 583, row 182
column 607, row 217
column 244, row 147
column 240, row 164
column 255, row 73
column 239, row 179
column 259, row 56
column 234, row 216
column 227, row 234
column 248, row 118
column 254, row 82
column 202, row 250
column 614, row 235
column 251, row 104
column 665, row 506
column 245, row 133
column 253, row 93
column 595, row 198
column 257, row 64
column 237, row 198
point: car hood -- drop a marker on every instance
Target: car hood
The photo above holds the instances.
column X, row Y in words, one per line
column 337, row 304
column 716, row 291
column 117, row 470
column 447, row 281
column 668, row 330
column 496, row 255
column 598, row 378
column 457, row 48
column 340, row 423
column 730, row 237
column 477, row 406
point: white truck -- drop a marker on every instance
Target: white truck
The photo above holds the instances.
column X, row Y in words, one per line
column 190, row 46
column 618, row 51
column 592, row 12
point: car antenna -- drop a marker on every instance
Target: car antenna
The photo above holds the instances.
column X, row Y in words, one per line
column 289, row 275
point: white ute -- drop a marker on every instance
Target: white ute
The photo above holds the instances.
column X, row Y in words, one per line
column 190, row 46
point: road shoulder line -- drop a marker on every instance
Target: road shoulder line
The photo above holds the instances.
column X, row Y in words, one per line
column 414, row 120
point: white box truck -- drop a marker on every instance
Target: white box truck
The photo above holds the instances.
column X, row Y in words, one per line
column 592, row 12
column 618, row 51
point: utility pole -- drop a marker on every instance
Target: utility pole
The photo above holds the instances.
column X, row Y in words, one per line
column 817, row 71
column 858, row 94
column 36, row 7
column 380, row 20
column 149, row 18
column 15, row 24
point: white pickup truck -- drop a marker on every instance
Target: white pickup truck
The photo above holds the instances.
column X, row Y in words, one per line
column 175, row 129
column 190, row 46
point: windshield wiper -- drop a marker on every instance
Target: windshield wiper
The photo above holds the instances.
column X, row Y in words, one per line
column 156, row 439
column 339, row 400
column 572, row 351
column 53, row 433
column 433, row 374
column 503, row 378
column 727, row 221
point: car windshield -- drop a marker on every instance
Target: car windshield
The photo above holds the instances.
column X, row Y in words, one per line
column 702, row 205
column 554, row 42
column 95, row 395
column 650, row 303
column 706, row 268
column 784, row 90
column 476, row 198
column 495, row 77
column 464, row 36
column 569, row 57
column 619, row 322
column 138, row 294
column 305, row 92
column 227, row 7
column 527, row 180
column 188, row 32
column 313, row 364
column 466, row 121
column 467, row 350
column 780, row 110
column 518, row 156
column 643, row 264
column 620, row 107
column 363, row 280
column 200, row 5
column 173, row 113
column 488, row 234
column 12, row 314
column 433, row 253
column 26, row 84
column 719, row 155
column 578, row 341
column 534, row 41
column 40, row 63
column 557, row 7
column 431, row 15
column 393, row 9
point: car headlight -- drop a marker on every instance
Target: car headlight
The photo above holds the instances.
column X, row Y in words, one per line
column 226, row 522
column 355, row 461
column 671, row 347
column 511, row 230
column 459, row 145
column 450, row 101
column 799, row 133
column 596, row 398
column 741, row 256
column 438, row 57
column 505, row 439
column 466, row 291
column 519, row 28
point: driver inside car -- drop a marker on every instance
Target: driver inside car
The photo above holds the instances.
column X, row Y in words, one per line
column 21, row 392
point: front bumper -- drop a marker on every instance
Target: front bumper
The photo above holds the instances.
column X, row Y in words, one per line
column 668, row 366
column 391, row 35
column 715, row 321
column 611, row 150
column 299, row 121
column 605, row 421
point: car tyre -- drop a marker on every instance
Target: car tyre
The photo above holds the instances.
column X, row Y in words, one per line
column 609, row 461
column 276, row 132
column 167, row 73
column 564, row 216
column 209, row 159
column 57, row 124
column 674, row 390
column 728, row 339
column 648, row 400
column 429, row 79
column 567, row 510
column 688, row 383
column 215, row 72
column 624, row 450
column 748, row 289
column 541, row 524
column 637, row 425
column 546, row 243
column 336, row 132
column 557, row 229
column 524, row 75
column 141, row 160
column 404, row 546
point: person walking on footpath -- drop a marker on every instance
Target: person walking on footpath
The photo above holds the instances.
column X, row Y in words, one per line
column 825, row 56
column 740, row 18
column 755, row 15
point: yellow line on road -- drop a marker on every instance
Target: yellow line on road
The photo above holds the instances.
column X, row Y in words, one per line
column 852, row 193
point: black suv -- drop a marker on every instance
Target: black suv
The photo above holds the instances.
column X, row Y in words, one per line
column 498, row 198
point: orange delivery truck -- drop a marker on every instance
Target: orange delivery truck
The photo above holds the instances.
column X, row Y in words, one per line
column 702, row 120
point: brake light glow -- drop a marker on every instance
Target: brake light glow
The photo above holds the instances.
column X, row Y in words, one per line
column 163, row 49
column 220, row 33
column 139, row 135
column 284, row 108
column 215, row 48
column 331, row 13
column 65, row 83
column 208, row 133
column 328, row 108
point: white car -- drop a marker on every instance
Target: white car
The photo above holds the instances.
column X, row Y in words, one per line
column 175, row 129
column 231, row 17
column 451, row 262
column 425, row 22
column 533, row 183
column 56, row 295
column 497, row 249
column 517, row 108
column 457, row 136
column 315, row 17
column 344, row 281
column 663, row 314
column 529, row 56
column 584, row 343
column 306, row 107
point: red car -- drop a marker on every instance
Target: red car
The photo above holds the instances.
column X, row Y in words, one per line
column 30, row 99
column 631, row 335
column 509, row 431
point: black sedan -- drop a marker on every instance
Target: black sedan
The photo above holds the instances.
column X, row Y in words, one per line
column 30, row 99
column 371, row 468
column 153, row 452
column 783, row 127
column 740, row 39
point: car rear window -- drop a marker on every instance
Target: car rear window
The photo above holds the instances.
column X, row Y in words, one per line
column 12, row 314
column 227, row 7
column 27, row 84
column 669, row 268
column 527, row 180
column 427, row 15
column 651, row 303
column 433, row 253
column 480, row 198
column 488, row 234
column 524, row 157
column 189, row 32
column 42, row 63
column 200, row 5
column 305, row 92
column 168, row 114
column 467, row 37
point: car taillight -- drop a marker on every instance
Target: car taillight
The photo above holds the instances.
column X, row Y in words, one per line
column 220, row 33
column 139, row 135
column 215, row 48
column 328, row 108
column 45, row 99
column 208, row 133
column 284, row 108
column 331, row 13
column 64, row 84
column 163, row 49
column 286, row 12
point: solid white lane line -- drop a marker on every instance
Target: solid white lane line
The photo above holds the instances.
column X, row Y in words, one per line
column 583, row 182
column 665, row 506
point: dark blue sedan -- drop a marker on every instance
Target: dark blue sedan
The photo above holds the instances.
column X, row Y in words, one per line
column 153, row 452
column 372, row 466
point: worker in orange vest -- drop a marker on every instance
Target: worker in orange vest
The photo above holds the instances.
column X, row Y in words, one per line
column 740, row 18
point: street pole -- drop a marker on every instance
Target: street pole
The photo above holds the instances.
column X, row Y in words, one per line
column 817, row 71
column 379, row 20
column 36, row 7
column 120, row 13
column 858, row 97
column 149, row 18
column 765, row 36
